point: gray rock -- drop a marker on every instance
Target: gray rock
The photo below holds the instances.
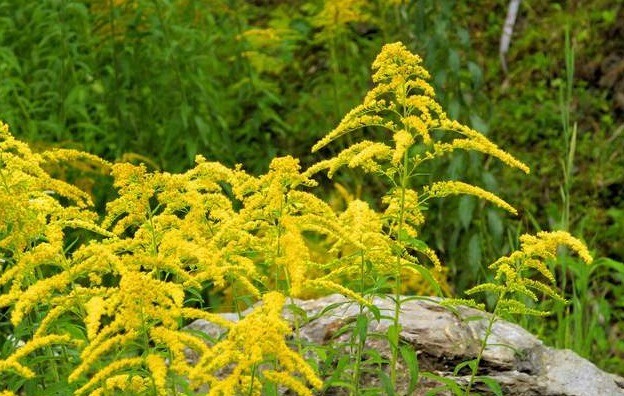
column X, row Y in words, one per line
column 444, row 337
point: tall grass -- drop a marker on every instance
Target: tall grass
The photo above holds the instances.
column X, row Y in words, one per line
column 586, row 324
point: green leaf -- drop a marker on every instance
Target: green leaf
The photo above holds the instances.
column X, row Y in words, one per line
column 474, row 251
column 475, row 73
column 489, row 181
column 373, row 357
column 269, row 389
column 361, row 327
column 375, row 311
column 336, row 377
column 495, row 224
column 393, row 335
column 411, row 361
column 492, row 384
column 329, row 308
column 203, row 129
column 465, row 209
column 470, row 363
column 448, row 384
column 412, row 242
column 425, row 273
column 479, row 124
column 454, row 60
column 387, row 384
column 297, row 311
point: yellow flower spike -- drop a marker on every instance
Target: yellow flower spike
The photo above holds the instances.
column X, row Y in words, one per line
column 412, row 215
column 361, row 219
column 176, row 342
column 417, row 127
column 395, row 60
column 362, row 154
column 124, row 382
column 357, row 118
column 549, row 241
column 96, row 308
column 285, row 379
column 157, row 366
column 256, row 341
column 512, row 274
column 92, row 353
column 377, row 249
column 295, row 256
column 446, row 188
column 107, row 372
column 38, row 343
column 335, row 287
column 435, row 260
column 403, row 141
column 365, row 156
column 61, row 305
column 36, row 293
column 12, row 365
column 336, row 15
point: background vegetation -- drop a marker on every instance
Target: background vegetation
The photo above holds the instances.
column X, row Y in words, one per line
column 158, row 82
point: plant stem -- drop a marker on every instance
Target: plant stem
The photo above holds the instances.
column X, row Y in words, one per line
column 569, row 132
column 394, row 343
column 488, row 332
column 360, row 340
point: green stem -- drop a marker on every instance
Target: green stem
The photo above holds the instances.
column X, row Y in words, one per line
column 404, row 178
column 335, row 73
column 488, row 332
column 360, row 340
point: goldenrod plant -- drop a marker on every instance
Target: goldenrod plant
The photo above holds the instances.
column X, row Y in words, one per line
column 402, row 103
column 106, row 313
column 522, row 275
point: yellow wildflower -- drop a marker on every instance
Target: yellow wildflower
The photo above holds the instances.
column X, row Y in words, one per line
column 512, row 274
column 357, row 118
column 123, row 382
column 410, row 210
column 36, row 293
column 248, row 343
column 96, row 308
column 403, row 141
column 364, row 154
column 101, row 345
column 108, row 371
column 546, row 243
column 158, row 368
column 335, row 15
column 446, row 188
column 28, row 348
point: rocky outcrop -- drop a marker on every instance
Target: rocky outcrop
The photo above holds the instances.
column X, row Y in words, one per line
column 444, row 337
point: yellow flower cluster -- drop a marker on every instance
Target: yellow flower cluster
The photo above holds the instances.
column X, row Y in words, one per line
column 264, row 46
column 403, row 206
column 12, row 362
column 254, row 348
column 169, row 235
column 168, row 238
column 513, row 273
column 403, row 103
column 335, row 16
column 446, row 188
